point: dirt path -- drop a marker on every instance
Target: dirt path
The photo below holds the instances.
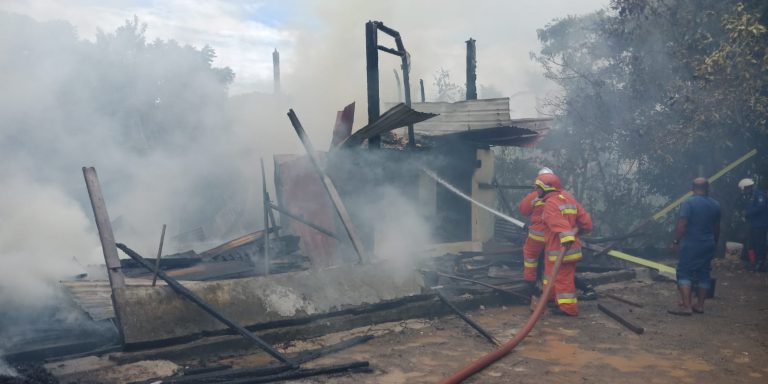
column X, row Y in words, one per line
column 728, row 344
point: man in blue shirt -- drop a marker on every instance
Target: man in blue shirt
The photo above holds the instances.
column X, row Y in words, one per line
column 756, row 213
column 698, row 228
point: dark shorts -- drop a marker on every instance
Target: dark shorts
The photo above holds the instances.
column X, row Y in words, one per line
column 695, row 263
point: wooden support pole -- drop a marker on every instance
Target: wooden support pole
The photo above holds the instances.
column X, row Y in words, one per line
column 632, row 327
column 159, row 255
column 471, row 70
column 341, row 210
column 265, row 206
column 194, row 298
column 399, row 87
column 276, row 71
column 421, row 85
column 298, row 218
column 469, row 321
column 107, row 238
column 372, row 72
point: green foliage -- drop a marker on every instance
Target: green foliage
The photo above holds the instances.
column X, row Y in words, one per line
column 655, row 93
column 148, row 94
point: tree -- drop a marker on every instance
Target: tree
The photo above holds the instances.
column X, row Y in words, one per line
column 654, row 93
column 447, row 90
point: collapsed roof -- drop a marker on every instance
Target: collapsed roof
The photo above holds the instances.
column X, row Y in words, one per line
column 485, row 122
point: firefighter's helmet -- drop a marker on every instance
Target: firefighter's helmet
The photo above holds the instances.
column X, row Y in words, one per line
column 746, row 183
column 548, row 182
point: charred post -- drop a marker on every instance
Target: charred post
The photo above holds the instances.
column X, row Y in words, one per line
column 341, row 210
column 276, row 71
column 107, row 238
column 159, row 255
column 265, row 206
column 471, row 70
column 372, row 70
column 399, row 87
column 421, row 86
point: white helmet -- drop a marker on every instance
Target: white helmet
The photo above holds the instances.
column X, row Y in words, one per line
column 746, row 183
column 545, row 170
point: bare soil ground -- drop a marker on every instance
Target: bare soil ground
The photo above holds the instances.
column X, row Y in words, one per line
column 727, row 344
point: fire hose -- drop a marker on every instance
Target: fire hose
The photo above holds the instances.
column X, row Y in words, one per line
column 480, row 364
column 507, row 347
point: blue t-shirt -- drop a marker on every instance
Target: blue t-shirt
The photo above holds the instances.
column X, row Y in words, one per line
column 703, row 213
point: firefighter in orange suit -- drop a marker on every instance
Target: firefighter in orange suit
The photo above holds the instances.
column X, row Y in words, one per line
column 565, row 219
column 532, row 206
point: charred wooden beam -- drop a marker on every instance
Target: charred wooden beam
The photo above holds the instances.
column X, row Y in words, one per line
column 399, row 86
column 265, row 207
column 341, row 210
column 632, row 327
column 298, row 218
column 234, row 243
column 208, row 369
column 623, row 300
column 317, row 353
column 469, row 321
column 159, row 255
column 356, row 366
column 107, row 238
column 390, row 50
column 191, row 296
column 387, row 30
column 372, row 77
column 495, row 288
column 276, row 71
column 266, row 374
column 471, row 70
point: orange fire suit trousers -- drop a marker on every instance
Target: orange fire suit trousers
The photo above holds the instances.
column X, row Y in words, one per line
column 564, row 292
column 532, row 251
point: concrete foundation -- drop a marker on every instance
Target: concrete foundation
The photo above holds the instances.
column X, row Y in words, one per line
column 158, row 313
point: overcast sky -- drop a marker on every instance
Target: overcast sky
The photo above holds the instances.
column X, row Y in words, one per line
column 325, row 38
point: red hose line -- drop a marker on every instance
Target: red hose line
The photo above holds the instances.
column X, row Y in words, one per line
column 480, row 364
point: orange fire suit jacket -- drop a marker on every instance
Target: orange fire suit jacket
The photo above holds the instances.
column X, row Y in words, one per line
column 565, row 219
column 533, row 207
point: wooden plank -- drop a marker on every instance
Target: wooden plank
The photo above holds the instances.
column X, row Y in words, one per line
column 341, row 210
column 107, row 238
column 245, row 239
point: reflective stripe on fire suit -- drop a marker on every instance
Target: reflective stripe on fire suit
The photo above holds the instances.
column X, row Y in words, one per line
column 565, row 219
column 531, row 206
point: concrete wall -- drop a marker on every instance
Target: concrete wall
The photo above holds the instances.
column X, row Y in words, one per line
column 158, row 313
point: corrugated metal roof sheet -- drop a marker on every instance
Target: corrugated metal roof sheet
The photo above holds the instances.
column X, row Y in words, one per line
column 463, row 116
column 396, row 117
column 485, row 122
